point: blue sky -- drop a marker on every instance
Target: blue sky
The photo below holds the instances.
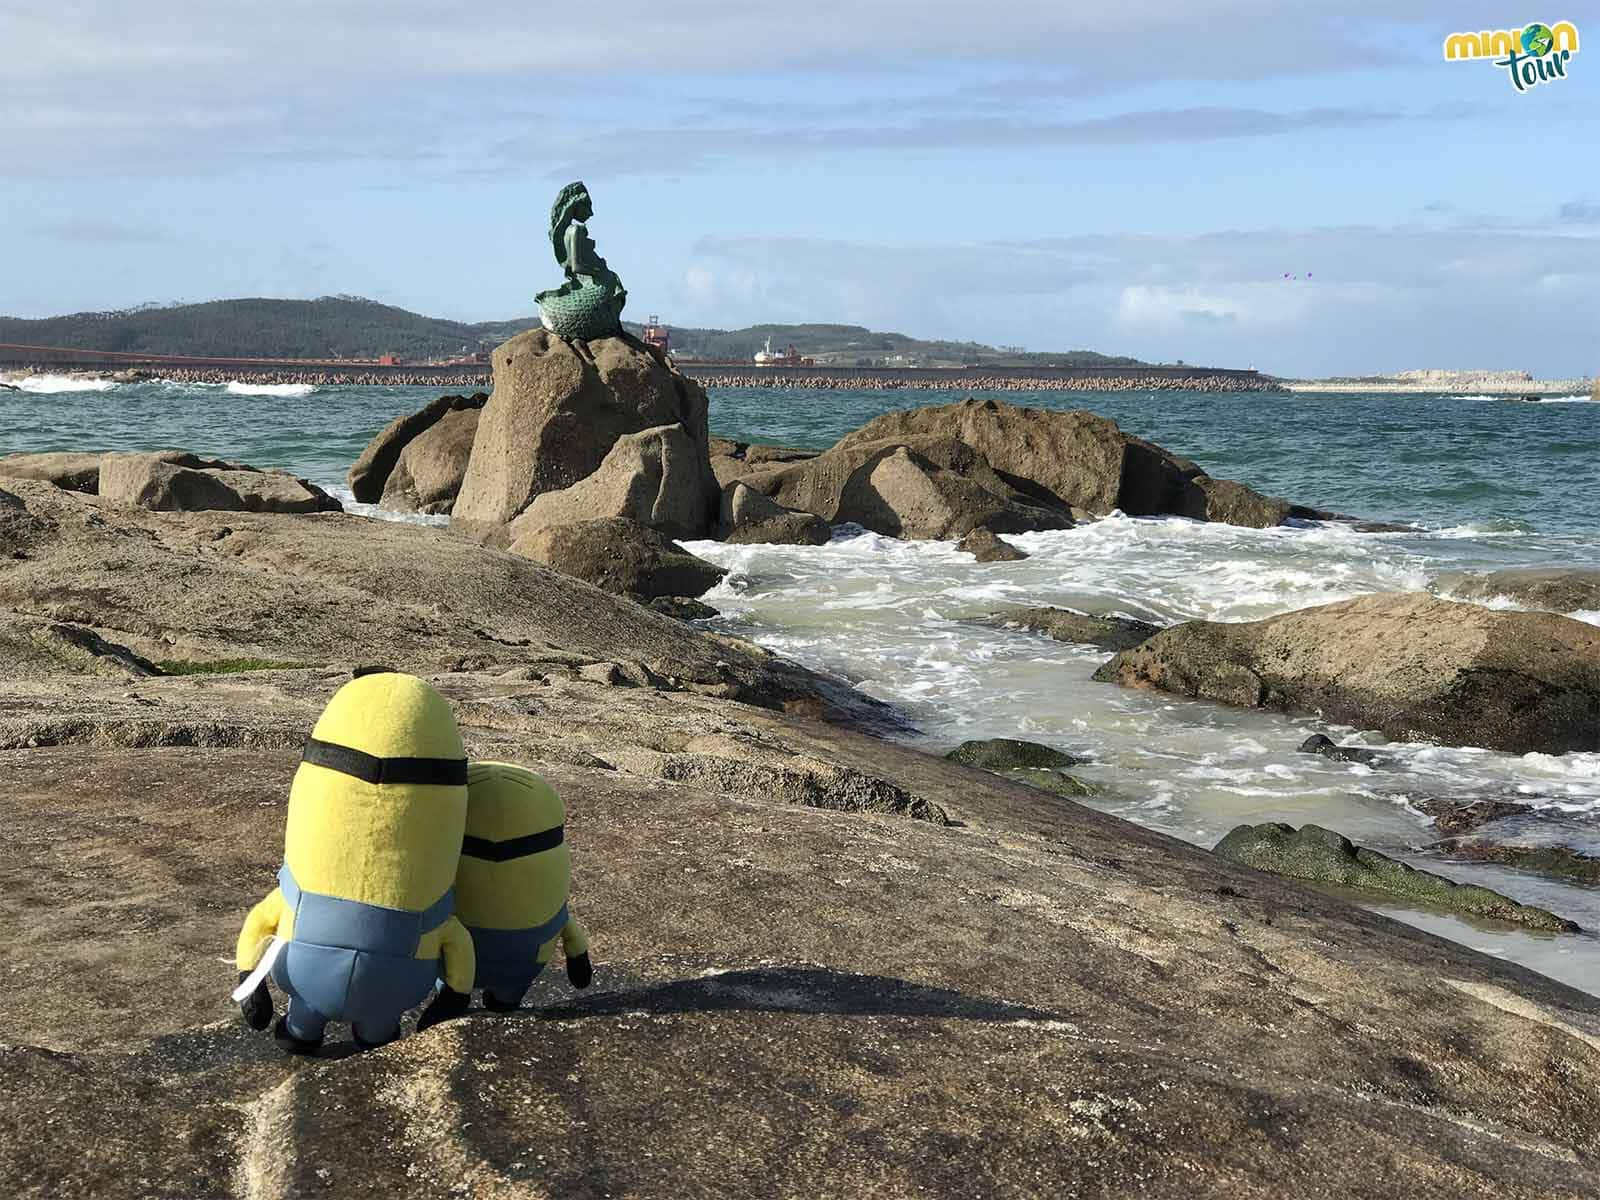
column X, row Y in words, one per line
column 1134, row 179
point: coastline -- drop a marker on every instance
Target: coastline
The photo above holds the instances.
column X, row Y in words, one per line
column 1402, row 387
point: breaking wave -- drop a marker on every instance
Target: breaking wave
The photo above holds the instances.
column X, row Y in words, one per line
column 50, row 385
column 293, row 390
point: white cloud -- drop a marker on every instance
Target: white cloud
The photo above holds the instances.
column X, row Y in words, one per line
column 1378, row 299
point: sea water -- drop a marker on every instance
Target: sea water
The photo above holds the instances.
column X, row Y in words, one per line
column 1490, row 484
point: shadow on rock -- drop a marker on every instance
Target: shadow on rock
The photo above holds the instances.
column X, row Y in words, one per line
column 795, row 990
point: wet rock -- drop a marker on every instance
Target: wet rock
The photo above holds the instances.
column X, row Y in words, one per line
column 749, row 518
column 1560, row 862
column 557, row 409
column 1409, row 665
column 177, row 482
column 621, row 557
column 986, row 546
column 369, row 476
column 1065, row 625
column 1007, row 754
column 1323, row 856
column 1562, row 589
column 1321, row 743
column 1452, row 817
column 682, row 608
column 1230, row 503
column 427, row 476
column 657, row 478
column 1054, row 782
column 1384, row 527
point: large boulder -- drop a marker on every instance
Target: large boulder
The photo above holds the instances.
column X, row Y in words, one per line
column 176, row 482
column 557, row 409
column 1555, row 589
column 731, row 460
column 77, row 472
column 657, row 477
column 426, row 478
column 900, row 492
column 1323, row 856
column 921, row 487
column 1410, row 665
column 1078, row 460
column 369, row 477
column 749, row 518
column 620, row 556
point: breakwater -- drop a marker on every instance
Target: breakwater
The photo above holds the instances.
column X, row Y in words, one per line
column 889, row 380
column 476, row 376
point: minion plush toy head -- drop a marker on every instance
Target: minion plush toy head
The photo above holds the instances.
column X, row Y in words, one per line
column 364, row 909
column 511, row 889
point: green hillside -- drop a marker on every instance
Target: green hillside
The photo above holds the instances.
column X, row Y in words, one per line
column 332, row 327
column 350, row 327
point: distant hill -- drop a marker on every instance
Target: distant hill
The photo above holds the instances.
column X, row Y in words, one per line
column 332, row 327
column 351, row 327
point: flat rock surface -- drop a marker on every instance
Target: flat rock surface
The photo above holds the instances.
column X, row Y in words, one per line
column 1067, row 1003
column 824, row 963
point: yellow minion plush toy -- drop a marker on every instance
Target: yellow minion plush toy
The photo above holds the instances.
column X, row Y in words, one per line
column 361, row 923
column 511, row 890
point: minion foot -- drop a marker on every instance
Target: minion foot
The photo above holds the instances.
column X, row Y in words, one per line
column 363, row 1044
column 289, row 1043
column 446, row 1006
column 497, row 1005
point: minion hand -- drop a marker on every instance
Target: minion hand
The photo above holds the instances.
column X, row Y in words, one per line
column 257, row 1006
column 579, row 970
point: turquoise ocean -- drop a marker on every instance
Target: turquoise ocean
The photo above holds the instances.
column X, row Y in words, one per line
column 1490, row 484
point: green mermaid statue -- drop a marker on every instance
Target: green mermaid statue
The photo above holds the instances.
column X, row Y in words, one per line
column 589, row 304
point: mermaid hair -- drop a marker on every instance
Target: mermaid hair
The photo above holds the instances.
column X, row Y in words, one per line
column 561, row 216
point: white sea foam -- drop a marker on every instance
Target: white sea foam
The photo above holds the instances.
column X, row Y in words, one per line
column 354, row 507
column 294, row 390
column 49, row 385
column 905, row 621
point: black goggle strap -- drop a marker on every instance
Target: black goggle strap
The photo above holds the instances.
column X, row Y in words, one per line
column 448, row 772
column 534, row 843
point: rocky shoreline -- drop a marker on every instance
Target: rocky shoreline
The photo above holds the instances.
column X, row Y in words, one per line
column 821, row 956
